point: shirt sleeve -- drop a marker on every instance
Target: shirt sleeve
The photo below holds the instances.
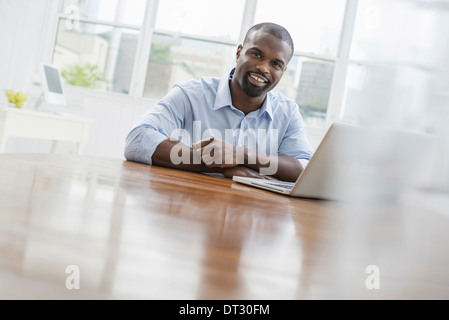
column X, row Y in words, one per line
column 156, row 126
column 295, row 142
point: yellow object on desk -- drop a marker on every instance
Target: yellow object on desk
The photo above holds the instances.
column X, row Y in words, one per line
column 16, row 98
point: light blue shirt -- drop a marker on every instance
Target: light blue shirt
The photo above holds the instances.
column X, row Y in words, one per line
column 199, row 109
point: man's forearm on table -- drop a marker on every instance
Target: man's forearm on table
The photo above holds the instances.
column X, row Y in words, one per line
column 280, row 167
column 176, row 155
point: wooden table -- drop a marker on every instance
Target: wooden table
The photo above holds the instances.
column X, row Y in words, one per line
column 134, row 231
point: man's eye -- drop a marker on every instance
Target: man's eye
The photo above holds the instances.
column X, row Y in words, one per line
column 256, row 54
column 277, row 65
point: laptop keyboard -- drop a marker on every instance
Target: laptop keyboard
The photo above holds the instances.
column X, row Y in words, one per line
column 287, row 186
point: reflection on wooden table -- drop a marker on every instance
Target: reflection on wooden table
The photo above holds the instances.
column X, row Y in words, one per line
column 141, row 232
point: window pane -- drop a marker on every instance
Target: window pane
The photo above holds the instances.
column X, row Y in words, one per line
column 394, row 31
column 208, row 18
column 96, row 56
column 355, row 99
column 314, row 25
column 313, row 81
column 121, row 11
column 387, row 94
column 175, row 59
column 308, row 82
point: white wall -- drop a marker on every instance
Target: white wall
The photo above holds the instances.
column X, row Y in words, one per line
column 26, row 32
column 114, row 115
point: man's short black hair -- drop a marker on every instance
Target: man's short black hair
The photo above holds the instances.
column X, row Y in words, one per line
column 273, row 29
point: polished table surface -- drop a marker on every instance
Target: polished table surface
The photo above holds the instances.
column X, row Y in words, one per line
column 140, row 232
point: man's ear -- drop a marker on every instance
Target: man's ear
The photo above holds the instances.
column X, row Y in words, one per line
column 239, row 50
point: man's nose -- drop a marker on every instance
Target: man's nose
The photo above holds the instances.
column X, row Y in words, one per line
column 262, row 67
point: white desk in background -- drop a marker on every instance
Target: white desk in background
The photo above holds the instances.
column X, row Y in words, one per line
column 26, row 123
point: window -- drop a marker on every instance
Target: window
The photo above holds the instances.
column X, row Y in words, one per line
column 143, row 47
column 96, row 42
column 392, row 52
column 129, row 12
column 205, row 18
column 96, row 55
column 176, row 58
column 315, row 27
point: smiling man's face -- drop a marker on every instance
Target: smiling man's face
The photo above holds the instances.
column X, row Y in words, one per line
column 261, row 62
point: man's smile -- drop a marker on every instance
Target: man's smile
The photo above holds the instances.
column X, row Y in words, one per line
column 257, row 79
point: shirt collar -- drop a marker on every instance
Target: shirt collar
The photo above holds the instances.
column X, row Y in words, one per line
column 223, row 96
column 267, row 106
column 224, row 99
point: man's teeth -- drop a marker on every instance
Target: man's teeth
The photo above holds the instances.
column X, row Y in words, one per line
column 257, row 78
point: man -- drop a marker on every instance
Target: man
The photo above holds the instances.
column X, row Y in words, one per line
column 234, row 125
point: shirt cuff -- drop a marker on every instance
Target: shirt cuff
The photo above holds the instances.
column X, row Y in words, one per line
column 141, row 144
column 150, row 141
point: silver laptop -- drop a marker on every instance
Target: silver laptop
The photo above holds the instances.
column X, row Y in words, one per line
column 356, row 163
